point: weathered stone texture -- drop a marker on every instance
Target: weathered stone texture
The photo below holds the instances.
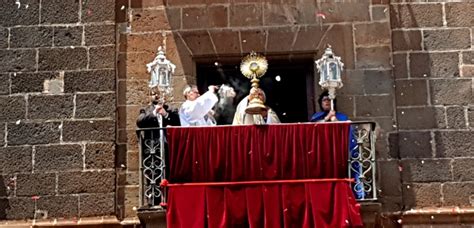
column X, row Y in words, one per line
column 308, row 37
column 4, row 84
column 406, row 40
column 15, row 159
column 459, row 14
column 365, row 82
column 463, row 170
column 372, row 34
column 86, row 182
column 455, row 117
column 59, row 12
column 246, row 15
column 130, row 93
column 349, row 11
column 448, row 39
column 99, row 34
column 426, row 170
column 467, row 57
column 451, row 91
column 68, row 35
column 416, row 15
column 30, row 82
column 99, row 155
column 415, row 144
column 204, row 17
column 373, row 57
column 97, row 130
column 50, row 106
column 389, row 170
column 17, row 60
column 150, row 20
column 417, row 195
column 411, row 92
column 3, row 38
column 36, row 184
column 58, row 158
column 33, row 133
column 435, row 65
column 227, row 41
column 104, row 105
column 2, row 135
column 454, row 143
column 198, row 42
column 374, row 106
column 17, row 208
column 62, row 59
column 65, row 206
column 13, row 108
column 380, row 13
column 253, row 40
column 102, row 57
column 96, row 204
column 399, row 67
column 98, row 11
column 11, row 15
column 28, row 37
column 88, row 81
column 459, row 194
column 420, row 118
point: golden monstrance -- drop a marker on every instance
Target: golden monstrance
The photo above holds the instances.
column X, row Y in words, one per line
column 254, row 66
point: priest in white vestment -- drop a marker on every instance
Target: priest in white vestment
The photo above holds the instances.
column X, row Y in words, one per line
column 197, row 109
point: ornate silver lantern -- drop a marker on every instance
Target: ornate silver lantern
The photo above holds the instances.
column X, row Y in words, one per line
column 161, row 70
column 330, row 68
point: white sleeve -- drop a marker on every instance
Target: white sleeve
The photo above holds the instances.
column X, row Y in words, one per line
column 198, row 108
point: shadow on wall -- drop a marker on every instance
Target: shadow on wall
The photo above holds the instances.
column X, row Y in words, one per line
column 4, row 203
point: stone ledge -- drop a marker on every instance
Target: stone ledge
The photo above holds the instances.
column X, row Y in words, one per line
column 444, row 215
column 106, row 221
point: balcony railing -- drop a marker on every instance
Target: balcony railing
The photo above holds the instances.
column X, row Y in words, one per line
column 152, row 146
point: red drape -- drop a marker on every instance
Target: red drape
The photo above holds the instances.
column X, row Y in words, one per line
column 269, row 152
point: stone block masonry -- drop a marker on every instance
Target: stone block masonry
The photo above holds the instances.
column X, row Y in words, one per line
column 57, row 115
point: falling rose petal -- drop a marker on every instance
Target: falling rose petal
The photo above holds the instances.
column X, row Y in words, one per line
column 400, row 168
column 35, row 197
column 321, row 15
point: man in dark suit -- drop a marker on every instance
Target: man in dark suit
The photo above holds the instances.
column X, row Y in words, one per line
column 148, row 117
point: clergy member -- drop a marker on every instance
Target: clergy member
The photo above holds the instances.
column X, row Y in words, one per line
column 241, row 117
column 197, row 109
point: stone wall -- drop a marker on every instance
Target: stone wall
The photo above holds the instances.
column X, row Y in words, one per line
column 57, row 115
column 409, row 67
column 433, row 57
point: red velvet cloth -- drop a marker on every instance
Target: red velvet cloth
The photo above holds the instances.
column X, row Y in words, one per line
column 269, row 152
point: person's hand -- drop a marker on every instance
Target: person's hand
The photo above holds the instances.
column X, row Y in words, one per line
column 212, row 88
column 160, row 110
column 331, row 116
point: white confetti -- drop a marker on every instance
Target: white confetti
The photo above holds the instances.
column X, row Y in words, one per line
column 18, row 122
column 17, row 2
column 122, row 8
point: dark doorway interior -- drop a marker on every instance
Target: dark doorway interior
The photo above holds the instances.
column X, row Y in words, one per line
column 289, row 85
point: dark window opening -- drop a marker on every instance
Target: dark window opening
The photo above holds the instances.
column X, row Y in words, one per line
column 288, row 85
